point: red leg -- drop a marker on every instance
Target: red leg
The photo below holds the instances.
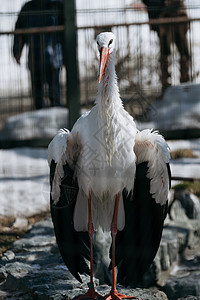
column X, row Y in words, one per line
column 114, row 293
column 91, row 293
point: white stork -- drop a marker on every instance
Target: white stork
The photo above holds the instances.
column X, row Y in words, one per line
column 106, row 173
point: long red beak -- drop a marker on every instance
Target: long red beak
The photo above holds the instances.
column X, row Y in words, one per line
column 104, row 54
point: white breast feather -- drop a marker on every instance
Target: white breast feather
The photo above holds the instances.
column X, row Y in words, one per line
column 151, row 147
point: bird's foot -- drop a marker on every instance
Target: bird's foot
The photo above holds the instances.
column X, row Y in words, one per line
column 114, row 295
column 91, row 294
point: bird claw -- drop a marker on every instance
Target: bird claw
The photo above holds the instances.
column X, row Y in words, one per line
column 91, row 294
column 114, row 295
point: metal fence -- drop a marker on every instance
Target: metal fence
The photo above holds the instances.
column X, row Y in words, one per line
column 137, row 65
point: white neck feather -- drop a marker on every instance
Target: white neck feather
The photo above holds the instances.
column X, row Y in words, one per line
column 108, row 103
column 108, row 91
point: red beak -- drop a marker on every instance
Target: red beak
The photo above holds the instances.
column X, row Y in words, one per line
column 104, row 54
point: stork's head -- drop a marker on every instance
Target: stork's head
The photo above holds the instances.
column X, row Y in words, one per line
column 106, row 45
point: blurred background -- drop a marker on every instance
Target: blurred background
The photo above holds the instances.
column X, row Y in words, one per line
column 138, row 65
column 48, row 76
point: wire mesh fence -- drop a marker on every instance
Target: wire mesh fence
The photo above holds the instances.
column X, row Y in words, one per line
column 138, row 55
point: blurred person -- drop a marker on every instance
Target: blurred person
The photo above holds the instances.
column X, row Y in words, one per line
column 170, row 33
column 45, row 55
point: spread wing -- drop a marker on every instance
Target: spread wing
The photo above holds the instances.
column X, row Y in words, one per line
column 74, row 246
column 145, row 209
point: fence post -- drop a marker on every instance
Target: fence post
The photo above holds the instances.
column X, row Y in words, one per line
column 71, row 61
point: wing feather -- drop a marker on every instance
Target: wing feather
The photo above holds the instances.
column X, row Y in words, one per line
column 62, row 149
column 138, row 242
column 145, row 208
column 74, row 246
column 152, row 148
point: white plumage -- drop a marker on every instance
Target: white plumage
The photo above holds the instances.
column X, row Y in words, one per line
column 103, row 148
column 123, row 181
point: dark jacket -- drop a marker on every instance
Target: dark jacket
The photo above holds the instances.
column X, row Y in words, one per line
column 46, row 47
column 154, row 7
column 157, row 9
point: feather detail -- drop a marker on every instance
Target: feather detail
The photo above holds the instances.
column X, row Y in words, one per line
column 58, row 145
column 150, row 146
column 62, row 149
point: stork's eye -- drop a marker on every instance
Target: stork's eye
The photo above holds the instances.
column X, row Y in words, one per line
column 98, row 43
column 110, row 42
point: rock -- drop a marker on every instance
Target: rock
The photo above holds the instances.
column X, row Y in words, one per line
column 3, row 274
column 46, row 123
column 171, row 197
column 3, row 295
column 164, row 254
column 21, row 223
column 189, row 298
column 178, row 254
column 186, row 283
column 177, row 109
column 8, row 255
column 178, row 213
column 38, row 272
column 34, row 242
column 176, row 238
column 184, row 213
column 41, row 236
column 189, row 202
column 17, row 269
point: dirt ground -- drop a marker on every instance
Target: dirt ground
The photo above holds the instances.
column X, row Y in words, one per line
column 9, row 233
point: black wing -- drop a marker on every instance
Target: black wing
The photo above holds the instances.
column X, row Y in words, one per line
column 74, row 246
column 138, row 242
